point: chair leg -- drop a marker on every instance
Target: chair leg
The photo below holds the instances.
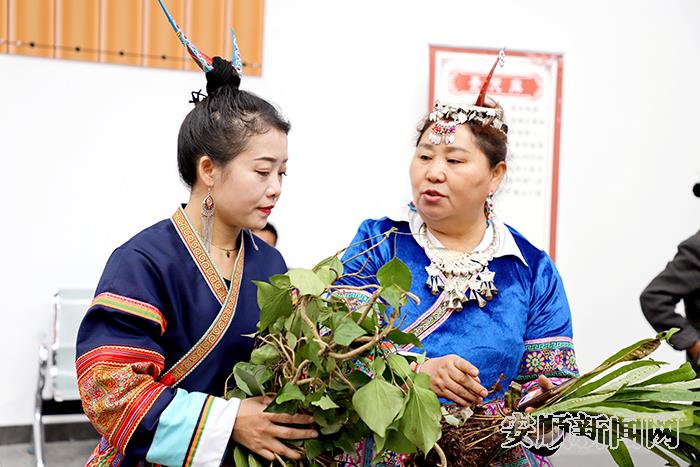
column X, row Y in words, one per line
column 38, row 438
column 38, row 424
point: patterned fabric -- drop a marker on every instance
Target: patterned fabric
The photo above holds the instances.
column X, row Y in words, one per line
column 553, row 357
column 156, row 299
column 117, row 388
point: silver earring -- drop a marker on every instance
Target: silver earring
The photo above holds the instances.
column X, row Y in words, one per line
column 488, row 208
column 207, row 213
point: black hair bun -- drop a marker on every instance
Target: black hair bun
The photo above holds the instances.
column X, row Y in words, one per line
column 222, row 74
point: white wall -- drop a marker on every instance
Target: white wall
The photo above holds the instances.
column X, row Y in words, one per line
column 88, row 151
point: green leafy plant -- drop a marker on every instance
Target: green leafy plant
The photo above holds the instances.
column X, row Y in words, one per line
column 317, row 354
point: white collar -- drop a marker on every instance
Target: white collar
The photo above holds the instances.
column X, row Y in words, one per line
column 506, row 245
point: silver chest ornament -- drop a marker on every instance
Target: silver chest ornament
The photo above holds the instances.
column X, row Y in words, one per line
column 461, row 276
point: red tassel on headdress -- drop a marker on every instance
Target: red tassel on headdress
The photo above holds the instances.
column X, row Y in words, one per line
column 482, row 93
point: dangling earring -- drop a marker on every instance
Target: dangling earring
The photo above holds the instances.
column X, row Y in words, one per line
column 207, row 213
column 488, row 208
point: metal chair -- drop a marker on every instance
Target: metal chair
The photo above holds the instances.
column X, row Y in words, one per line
column 57, row 385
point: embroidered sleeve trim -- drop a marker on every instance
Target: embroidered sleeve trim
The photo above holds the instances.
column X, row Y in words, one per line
column 131, row 306
column 553, row 357
column 118, row 355
column 117, row 388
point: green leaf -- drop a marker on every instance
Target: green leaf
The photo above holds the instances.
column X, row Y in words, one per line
column 370, row 321
column 631, row 414
column 422, row 380
column 378, row 365
column 394, row 296
column 399, row 365
column 630, row 377
column 275, row 303
column 347, row 331
column 290, row 392
column 239, row 457
column 265, row 355
column 395, row 272
column 636, row 351
column 396, row 441
column 692, row 384
column 251, row 378
column 331, row 263
column 238, row 393
column 313, row 447
column 291, row 340
column 326, row 403
column 621, row 455
column 313, row 309
column 590, row 387
column 253, row 461
column 421, row 418
column 281, row 281
column 673, row 395
column 377, row 403
column 573, row 403
column 684, row 372
column 291, row 407
column 401, row 338
column 306, row 282
column 309, row 351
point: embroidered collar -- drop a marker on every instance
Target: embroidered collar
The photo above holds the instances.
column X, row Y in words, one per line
column 506, row 245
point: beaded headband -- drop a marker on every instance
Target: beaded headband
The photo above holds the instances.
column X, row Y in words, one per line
column 448, row 116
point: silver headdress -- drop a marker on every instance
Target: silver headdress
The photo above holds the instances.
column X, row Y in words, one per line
column 448, row 116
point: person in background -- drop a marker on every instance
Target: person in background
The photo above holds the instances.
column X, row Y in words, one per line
column 175, row 302
column 268, row 233
column 679, row 281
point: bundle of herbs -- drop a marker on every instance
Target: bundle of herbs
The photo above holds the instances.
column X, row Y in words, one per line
column 318, row 353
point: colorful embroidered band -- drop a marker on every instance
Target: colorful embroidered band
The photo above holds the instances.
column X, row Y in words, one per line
column 131, row 306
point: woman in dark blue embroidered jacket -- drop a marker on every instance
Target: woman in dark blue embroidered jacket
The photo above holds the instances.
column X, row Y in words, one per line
column 175, row 303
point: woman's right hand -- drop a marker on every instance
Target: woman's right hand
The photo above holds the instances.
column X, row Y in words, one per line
column 454, row 378
column 261, row 431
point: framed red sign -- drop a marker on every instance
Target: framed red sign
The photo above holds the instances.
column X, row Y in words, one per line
column 529, row 88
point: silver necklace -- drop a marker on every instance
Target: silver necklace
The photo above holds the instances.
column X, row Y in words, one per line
column 461, row 276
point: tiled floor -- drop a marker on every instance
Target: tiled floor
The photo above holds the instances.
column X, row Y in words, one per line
column 74, row 453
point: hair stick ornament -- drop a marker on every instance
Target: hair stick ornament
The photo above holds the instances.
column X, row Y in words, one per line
column 500, row 60
column 236, row 55
column 203, row 61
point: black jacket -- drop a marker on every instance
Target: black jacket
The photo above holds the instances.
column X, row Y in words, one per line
column 679, row 281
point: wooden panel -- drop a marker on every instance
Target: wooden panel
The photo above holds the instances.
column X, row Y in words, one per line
column 161, row 46
column 77, row 33
column 121, row 25
column 247, row 18
column 31, row 27
column 204, row 25
column 3, row 26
